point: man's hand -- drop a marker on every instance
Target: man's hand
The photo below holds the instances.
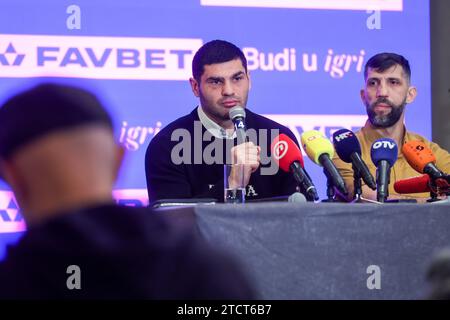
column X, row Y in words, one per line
column 246, row 160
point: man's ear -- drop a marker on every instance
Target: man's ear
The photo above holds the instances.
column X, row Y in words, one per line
column 195, row 86
column 249, row 80
column 362, row 94
column 411, row 95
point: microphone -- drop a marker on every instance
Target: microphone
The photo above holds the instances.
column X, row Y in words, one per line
column 423, row 183
column 349, row 150
column 384, row 153
column 413, row 185
column 237, row 115
column 289, row 158
column 320, row 150
column 297, row 197
column 421, row 158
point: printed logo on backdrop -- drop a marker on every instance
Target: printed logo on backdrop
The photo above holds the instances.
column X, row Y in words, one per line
column 148, row 58
column 10, row 57
column 97, row 57
column 327, row 124
column 334, row 63
column 136, row 136
column 133, row 137
column 131, row 197
column 11, row 220
column 385, row 5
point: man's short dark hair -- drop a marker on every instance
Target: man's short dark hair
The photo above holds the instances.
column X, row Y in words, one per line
column 45, row 108
column 216, row 51
column 383, row 61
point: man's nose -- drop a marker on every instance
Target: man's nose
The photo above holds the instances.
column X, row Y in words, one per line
column 227, row 89
column 382, row 90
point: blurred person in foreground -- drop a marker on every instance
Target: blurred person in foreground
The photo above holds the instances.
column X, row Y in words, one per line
column 58, row 154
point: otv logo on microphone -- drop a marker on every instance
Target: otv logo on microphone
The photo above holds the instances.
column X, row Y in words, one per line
column 384, row 145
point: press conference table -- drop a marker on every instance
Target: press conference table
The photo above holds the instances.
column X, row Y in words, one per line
column 327, row 250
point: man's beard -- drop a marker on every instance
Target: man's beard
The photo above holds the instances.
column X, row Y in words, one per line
column 385, row 120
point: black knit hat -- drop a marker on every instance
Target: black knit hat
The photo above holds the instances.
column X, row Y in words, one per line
column 44, row 109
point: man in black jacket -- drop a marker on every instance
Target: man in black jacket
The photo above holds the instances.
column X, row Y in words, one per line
column 185, row 159
column 58, row 153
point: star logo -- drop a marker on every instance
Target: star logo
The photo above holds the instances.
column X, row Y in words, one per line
column 11, row 213
column 10, row 57
column 11, row 219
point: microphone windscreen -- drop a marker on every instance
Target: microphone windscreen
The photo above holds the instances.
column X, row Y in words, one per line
column 285, row 152
column 315, row 144
column 297, row 197
column 345, row 144
column 413, row 185
column 418, row 154
column 236, row 111
column 384, row 149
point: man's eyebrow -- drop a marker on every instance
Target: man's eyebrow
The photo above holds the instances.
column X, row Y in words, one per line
column 389, row 78
column 395, row 78
column 238, row 74
column 215, row 79
column 223, row 79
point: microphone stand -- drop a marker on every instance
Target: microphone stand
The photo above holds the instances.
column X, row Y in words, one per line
column 357, row 184
column 383, row 193
column 433, row 195
column 331, row 193
column 435, row 186
column 304, row 182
